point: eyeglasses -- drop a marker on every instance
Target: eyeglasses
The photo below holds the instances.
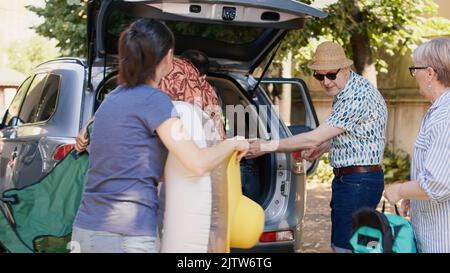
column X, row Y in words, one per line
column 330, row 76
column 412, row 69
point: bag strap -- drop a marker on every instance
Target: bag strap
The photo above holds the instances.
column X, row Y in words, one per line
column 397, row 230
column 388, row 238
column 384, row 206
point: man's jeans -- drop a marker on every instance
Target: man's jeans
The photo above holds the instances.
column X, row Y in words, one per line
column 250, row 179
column 90, row 241
column 349, row 193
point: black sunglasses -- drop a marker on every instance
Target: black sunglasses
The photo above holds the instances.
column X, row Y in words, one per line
column 330, row 76
column 412, row 69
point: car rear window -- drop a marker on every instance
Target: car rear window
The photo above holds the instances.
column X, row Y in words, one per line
column 235, row 35
column 222, row 33
column 40, row 101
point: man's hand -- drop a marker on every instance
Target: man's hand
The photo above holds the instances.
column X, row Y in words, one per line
column 255, row 149
column 315, row 153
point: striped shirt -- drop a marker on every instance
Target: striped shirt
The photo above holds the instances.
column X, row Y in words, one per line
column 430, row 166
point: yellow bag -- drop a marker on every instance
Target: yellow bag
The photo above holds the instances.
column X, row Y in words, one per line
column 245, row 216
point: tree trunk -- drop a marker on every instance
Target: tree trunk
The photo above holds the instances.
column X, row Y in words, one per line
column 362, row 53
column 362, row 57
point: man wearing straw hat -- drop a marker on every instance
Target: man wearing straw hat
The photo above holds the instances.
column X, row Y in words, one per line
column 354, row 136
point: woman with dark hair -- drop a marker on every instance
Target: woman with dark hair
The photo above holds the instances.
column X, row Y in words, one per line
column 118, row 211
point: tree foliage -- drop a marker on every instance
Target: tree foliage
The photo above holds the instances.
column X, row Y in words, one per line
column 396, row 165
column 394, row 26
column 323, row 173
column 363, row 27
column 23, row 56
column 65, row 21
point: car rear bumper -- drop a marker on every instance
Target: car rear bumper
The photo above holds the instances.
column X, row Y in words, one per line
column 278, row 247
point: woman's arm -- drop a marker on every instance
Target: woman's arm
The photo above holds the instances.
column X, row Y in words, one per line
column 433, row 181
column 410, row 190
column 197, row 160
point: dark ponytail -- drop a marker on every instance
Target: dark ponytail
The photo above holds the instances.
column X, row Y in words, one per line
column 142, row 46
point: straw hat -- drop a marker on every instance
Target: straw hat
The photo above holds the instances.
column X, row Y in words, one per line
column 328, row 56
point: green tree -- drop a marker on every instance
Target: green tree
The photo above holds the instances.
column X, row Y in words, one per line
column 65, row 21
column 396, row 165
column 365, row 27
column 23, row 56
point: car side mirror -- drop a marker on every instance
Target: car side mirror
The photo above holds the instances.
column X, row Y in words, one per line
column 298, row 129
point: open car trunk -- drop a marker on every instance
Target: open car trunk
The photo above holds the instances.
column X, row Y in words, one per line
column 235, row 34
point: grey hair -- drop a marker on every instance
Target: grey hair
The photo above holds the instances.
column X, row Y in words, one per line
column 436, row 54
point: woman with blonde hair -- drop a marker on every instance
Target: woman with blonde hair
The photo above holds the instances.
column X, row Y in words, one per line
column 427, row 195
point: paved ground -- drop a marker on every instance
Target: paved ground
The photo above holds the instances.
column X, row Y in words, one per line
column 317, row 229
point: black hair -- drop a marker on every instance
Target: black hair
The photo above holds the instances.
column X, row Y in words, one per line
column 142, row 46
column 198, row 58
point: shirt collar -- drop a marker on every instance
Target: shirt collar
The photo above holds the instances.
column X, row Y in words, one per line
column 347, row 85
column 444, row 99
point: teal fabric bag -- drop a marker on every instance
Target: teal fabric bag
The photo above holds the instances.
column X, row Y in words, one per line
column 376, row 232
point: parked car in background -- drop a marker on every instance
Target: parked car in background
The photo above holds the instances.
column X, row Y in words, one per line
column 59, row 96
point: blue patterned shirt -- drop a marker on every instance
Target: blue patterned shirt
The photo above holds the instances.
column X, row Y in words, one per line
column 360, row 110
column 430, row 166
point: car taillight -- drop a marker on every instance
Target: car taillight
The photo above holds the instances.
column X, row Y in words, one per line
column 297, row 155
column 276, row 236
column 297, row 164
column 62, row 151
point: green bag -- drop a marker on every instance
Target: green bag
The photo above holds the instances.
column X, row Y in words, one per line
column 376, row 232
column 42, row 214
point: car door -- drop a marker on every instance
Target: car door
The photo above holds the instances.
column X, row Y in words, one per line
column 291, row 98
column 8, row 137
column 293, row 102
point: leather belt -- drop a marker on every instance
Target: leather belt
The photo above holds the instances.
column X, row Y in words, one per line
column 356, row 169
